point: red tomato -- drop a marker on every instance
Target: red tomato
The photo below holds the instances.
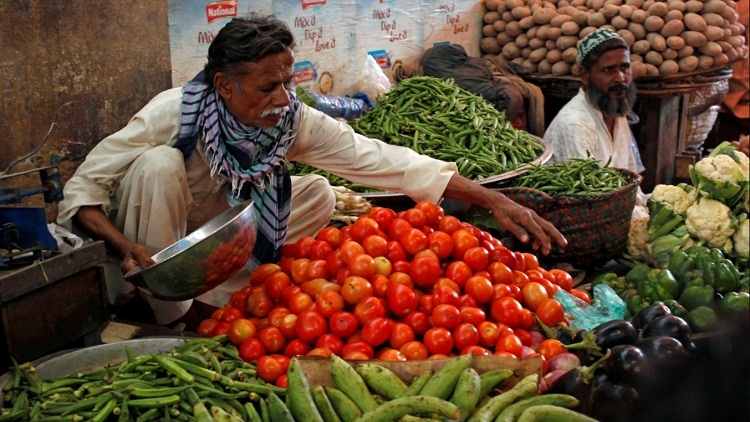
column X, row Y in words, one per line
column 414, row 350
column 383, row 216
column 398, row 227
column 275, row 285
column 343, row 324
column 510, row 343
column 533, row 294
column 507, row 310
column 310, row 326
column 376, row 331
column 299, row 270
column 475, row 350
column 288, row 326
column 335, row 262
column 489, row 334
column 580, row 294
column 418, row 322
column 221, row 328
column 240, row 330
column 355, row 289
column 362, row 265
column 396, row 251
column 446, row 316
column 369, row 308
column 425, row 304
column 413, row 240
column 549, row 286
column 391, row 354
column 299, row 302
column 515, row 292
column 424, row 271
column 467, row 300
column 504, row 255
column 527, row 319
column 524, row 336
column 296, row 347
column 562, row 279
column 438, row 340
column 375, row 245
column 227, row 314
column 358, row 346
column 550, row 312
column 207, row 326
column 238, row 300
column 363, row 227
column 330, row 234
column 329, row 302
column 432, row 213
column 350, row 248
column 449, row 224
column 401, row 266
column 401, row 334
column 441, row 243
column 400, row 299
column 472, row 315
column 427, row 253
column 251, row 349
column 415, row 217
column 550, row 348
column 500, row 273
column 477, row 258
column 259, row 304
column 331, row 342
column 317, row 268
column 520, row 278
column 480, row 288
column 465, row 335
column 264, row 270
column 463, row 240
column 320, row 250
column 459, row 272
column 269, row 369
column 383, row 266
column 445, row 295
column 272, row 338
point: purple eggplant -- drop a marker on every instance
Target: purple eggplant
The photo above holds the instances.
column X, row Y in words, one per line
column 614, row 402
column 615, row 332
column 577, row 382
column 671, row 326
column 645, row 315
column 627, row 364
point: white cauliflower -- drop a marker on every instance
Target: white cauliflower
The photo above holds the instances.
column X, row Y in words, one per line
column 721, row 168
column 741, row 239
column 638, row 238
column 711, row 221
column 674, row 196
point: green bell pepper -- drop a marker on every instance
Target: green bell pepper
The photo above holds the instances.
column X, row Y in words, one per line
column 610, row 279
column 735, row 302
column 636, row 303
column 695, row 296
column 681, row 265
column 659, row 285
column 702, row 319
column 726, row 277
column 636, row 275
column 676, row 308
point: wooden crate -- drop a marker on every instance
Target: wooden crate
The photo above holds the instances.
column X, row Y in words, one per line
column 57, row 303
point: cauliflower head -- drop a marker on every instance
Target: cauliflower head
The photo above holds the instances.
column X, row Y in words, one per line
column 711, row 221
column 741, row 239
column 638, row 238
column 720, row 168
column 674, row 196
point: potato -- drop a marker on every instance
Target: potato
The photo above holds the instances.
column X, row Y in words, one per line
column 711, row 49
column 619, row 22
column 673, row 15
column 725, row 46
column 636, row 58
column 554, row 33
column 705, row 62
column 694, row 38
column 489, row 31
column 671, row 28
column 651, row 70
column 713, row 19
column 627, row 36
column 566, row 41
column 526, row 23
column 675, row 42
column 492, row 4
column 587, row 30
column 507, row 17
column 617, row 3
column 541, row 32
column 503, row 38
column 714, row 33
column 581, row 17
column 559, row 20
column 668, row 67
column 658, row 9
column 626, row 11
column 638, row 31
column 658, row 42
column 730, row 15
column 529, row 66
column 538, row 55
column 721, row 60
column 678, row 5
column 733, row 54
column 688, row 64
column 569, row 28
column 513, row 29
column 734, row 41
column 535, row 43
column 695, row 22
column 639, row 16
column 669, row 54
column 610, row 10
column 596, row 5
column 512, row 4
column 653, row 57
column 561, row 4
column 637, row 69
column 685, row 51
column 544, row 67
column 502, row 7
column 575, row 69
column 567, row 10
column 554, row 56
column 489, row 45
column 597, row 20
column 491, row 17
column 653, row 23
column 550, row 44
column 520, row 12
column 522, row 41
column 511, row 51
column 499, row 25
column 727, row 33
column 570, row 55
column 694, row 6
column 560, row 68
column 526, row 52
column 636, row 4
column 646, row 4
column 641, row 47
column 531, row 32
column 714, row 6
column 543, row 15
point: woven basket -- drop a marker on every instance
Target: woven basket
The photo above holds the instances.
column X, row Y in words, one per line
column 596, row 227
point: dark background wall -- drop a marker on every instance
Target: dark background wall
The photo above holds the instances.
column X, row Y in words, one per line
column 88, row 65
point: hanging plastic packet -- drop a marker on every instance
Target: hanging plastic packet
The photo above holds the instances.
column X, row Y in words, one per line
column 339, row 107
column 605, row 306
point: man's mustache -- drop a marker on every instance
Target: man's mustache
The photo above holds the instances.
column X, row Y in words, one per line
column 617, row 88
column 273, row 111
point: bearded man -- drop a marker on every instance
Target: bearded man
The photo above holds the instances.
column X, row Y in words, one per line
column 595, row 121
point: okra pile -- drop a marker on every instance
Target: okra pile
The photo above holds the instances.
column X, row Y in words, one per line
column 573, row 177
column 203, row 379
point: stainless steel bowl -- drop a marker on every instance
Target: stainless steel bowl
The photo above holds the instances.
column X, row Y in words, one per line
column 204, row 259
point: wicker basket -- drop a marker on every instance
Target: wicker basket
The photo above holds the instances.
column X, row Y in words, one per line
column 596, row 227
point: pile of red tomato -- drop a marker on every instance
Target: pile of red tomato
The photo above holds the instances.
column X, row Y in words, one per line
column 411, row 285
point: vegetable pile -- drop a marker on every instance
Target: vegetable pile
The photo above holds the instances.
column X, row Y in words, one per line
column 665, row 37
column 574, row 177
column 437, row 118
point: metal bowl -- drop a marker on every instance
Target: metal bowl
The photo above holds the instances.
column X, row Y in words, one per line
column 204, row 259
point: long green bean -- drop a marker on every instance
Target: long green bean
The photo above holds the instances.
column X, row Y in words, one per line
column 574, row 177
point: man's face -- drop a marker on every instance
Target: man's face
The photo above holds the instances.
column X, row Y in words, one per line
column 259, row 94
column 609, row 83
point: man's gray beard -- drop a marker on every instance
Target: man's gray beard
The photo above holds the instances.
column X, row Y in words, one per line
column 609, row 106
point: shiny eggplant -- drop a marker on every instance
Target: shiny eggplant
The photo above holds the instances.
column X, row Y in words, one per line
column 578, row 382
column 614, row 402
column 627, row 363
column 671, row 326
column 615, row 332
column 645, row 315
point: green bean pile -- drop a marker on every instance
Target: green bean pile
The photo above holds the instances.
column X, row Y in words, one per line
column 202, row 380
column 437, row 118
column 574, row 177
